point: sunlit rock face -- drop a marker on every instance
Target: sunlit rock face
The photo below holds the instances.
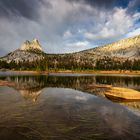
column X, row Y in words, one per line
column 29, row 45
column 126, row 48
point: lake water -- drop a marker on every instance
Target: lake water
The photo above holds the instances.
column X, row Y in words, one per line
column 62, row 107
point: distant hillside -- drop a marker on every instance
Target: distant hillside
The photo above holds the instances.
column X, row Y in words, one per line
column 110, row 56
column 120, row 55
column 127, row 48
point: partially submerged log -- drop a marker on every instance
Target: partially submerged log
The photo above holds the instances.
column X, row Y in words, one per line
column 100, row 86
column 117, row 93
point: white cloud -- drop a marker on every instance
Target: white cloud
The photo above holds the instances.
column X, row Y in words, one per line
column 134, row 32
column 89, row 35
column 79, row 44
column 117, row 24
column 67, row 34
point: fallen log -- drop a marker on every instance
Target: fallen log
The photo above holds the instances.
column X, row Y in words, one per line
column 117, row 93
column 100, row 86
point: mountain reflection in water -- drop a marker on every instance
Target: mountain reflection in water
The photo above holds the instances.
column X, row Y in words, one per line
column 59, row 108
column 31, row 86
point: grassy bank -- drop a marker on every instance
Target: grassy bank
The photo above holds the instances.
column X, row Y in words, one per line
column 127, row 72
column 124, row 72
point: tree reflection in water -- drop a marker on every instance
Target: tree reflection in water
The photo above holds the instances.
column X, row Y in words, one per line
column 57, row 111
column 30, row 87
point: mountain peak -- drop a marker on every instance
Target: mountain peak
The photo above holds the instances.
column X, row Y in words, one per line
column 35, row 40
column 31, row 45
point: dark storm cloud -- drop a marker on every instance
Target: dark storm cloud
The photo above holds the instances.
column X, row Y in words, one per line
column 2, row 51
column 98, row 3
column 134, row 5
column 24, row 8
column 66, row 25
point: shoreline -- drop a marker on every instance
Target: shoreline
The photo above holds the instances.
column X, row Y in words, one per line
column 97, row 72
column 123, row 72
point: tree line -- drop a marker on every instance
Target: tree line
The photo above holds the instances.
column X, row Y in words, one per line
column 110, row 64
column 70, row 63
column 38, row 65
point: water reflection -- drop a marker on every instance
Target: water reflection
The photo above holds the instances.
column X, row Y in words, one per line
column 31, row 86
column 30, row 95
column 65, row 114
column 76, row 82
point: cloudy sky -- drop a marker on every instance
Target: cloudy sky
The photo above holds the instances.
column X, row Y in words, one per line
column 64, row 26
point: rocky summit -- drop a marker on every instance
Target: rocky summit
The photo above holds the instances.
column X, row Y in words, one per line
column 31, row 45
column 28, row 52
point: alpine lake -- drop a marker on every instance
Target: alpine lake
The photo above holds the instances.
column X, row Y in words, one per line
column 61, row 106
